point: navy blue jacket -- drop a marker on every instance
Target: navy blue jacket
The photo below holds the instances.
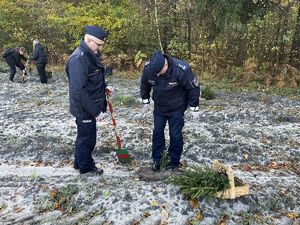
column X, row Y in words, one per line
column 86, row 83
column 39, row 55
column 13, row 57
column 173, row 91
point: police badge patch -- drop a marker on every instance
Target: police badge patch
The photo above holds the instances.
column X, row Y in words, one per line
column 195, row 82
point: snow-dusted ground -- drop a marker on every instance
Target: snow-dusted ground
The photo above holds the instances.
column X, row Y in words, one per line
column 258, row 135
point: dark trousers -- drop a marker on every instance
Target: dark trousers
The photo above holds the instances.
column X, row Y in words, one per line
column 176, row 123
column 12, row 69
column 85, row 143
column 41, row 68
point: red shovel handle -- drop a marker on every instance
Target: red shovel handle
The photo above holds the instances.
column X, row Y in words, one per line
column 119, row 142
column 111, row 110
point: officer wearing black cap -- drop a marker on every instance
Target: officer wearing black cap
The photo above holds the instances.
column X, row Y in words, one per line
column 174, row 89
column 87, row 90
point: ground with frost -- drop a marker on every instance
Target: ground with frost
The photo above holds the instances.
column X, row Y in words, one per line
column 257, row 134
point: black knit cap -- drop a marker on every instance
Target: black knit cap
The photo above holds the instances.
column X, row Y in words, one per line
column 157, row 61
column 97, row 32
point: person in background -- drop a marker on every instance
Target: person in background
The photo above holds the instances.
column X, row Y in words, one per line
column 87, row 94
column 14, row 57
column 39, row 58
column 175, row 87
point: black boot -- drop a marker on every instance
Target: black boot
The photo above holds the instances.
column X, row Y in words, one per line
column 95, row 170
column 75, row 165
column 155, row 167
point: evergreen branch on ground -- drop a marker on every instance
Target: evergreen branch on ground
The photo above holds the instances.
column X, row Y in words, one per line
column 198, row 182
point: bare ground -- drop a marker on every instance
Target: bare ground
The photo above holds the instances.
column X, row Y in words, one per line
column 257, row 134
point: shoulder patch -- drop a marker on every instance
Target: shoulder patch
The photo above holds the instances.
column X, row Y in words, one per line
column 195, row 82
column 183, row 67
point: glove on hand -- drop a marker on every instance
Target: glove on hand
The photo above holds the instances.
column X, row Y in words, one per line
column 101, row 116
column 195, row 113
column 146, row 106
column 109, row 90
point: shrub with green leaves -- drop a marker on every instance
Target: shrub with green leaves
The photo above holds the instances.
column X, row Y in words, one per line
column 125, row 101
column 207, row 93
column 198, row 182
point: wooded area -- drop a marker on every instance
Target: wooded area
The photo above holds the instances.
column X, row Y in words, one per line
column 225, row 37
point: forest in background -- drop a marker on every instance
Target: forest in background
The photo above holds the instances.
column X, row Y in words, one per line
column 244, row 40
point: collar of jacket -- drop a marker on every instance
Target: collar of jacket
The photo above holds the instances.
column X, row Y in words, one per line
column 92, row 56
column 170, row 66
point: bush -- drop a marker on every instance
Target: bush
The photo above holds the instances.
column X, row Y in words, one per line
column 125, row 101
column 207, row 93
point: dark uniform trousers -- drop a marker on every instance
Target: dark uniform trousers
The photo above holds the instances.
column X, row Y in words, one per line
column 12, row 73
column 176, row 123
column 41, row 68
column 85, row 143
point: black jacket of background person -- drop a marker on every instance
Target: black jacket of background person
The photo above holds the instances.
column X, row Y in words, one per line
column 173, row 91
column 39, row 55
column 86, row 83
column 13, row 57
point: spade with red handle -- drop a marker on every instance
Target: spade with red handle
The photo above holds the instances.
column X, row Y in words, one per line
column 122, row 153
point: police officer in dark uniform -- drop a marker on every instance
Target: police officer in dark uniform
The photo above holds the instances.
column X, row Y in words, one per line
column 87, row 89
column 39, row 58
column 14, row 57
column 174, row 89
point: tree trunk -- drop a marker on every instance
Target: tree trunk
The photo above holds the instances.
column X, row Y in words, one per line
column 189, row 36
column 157, row 26
column 295, row 51
column 242, row 47
column 284, row 27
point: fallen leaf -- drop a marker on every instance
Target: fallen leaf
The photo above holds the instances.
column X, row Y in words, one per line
column 195, row 219
column 153, row 203
column 194, row 204
column 293, row 215
column 18, row 209
column 164, row 215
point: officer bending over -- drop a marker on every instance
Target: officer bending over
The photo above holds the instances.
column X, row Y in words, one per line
column 14, row 57
column 174, row 89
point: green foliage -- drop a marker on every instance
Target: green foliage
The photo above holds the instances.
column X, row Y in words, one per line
column 219, row 34
column 63, row 198
column 178, row 49
column 139, row 57
column 125, row 101
column 198, row 182
column 207, row 93
column 165, row 159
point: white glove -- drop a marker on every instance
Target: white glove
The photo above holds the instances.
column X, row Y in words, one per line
column 195, row 113
column 146, row 106
column 101, row 116
column 109, row 90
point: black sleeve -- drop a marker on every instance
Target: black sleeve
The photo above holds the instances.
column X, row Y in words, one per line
column 19, row 63
column 145, row 87
column 23, row 57
column 35, row 54
column 190, row 83
column 78, row 76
